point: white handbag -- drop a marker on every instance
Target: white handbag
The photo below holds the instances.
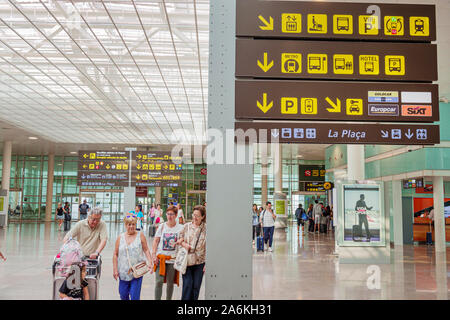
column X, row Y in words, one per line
column 180, row 263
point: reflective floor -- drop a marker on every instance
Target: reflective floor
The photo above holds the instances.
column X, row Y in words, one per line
column 300, row 267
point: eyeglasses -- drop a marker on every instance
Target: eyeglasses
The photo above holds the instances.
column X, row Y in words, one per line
column 170, row 214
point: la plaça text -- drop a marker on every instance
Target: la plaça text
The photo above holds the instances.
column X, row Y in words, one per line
column 345, row 133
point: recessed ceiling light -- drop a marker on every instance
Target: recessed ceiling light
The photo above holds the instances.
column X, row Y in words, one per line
column 299, row 156
column 73, row 152
column 33, row 138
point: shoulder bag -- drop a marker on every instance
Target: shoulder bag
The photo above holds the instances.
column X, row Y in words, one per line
column 139, row 269
column 180, row 263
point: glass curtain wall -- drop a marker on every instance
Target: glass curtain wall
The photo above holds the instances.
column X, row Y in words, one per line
column 28, row 189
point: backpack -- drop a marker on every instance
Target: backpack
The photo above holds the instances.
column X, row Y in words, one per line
column 69, row 254
column 304, row 215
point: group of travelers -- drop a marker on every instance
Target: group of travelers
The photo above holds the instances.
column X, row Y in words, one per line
column 133, row 256
column 317, row 217
column 63, row 214
column 264, row 221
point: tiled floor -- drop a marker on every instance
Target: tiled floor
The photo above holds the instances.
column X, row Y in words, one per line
column 299, row 268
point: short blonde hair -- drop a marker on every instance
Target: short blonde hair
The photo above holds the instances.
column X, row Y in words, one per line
column 130, row 219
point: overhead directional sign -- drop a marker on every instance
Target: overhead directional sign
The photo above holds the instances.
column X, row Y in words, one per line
column 340, row 100
column 341, row 133
column 334, row 20
column 327, row 60
column 103, row 155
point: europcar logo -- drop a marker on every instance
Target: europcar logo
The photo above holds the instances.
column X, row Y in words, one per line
column 416, row 111
column 383, row 110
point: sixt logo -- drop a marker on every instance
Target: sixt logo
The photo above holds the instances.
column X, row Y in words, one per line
column 414, row 111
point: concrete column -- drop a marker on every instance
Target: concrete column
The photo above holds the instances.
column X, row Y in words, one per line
column 439, row 220
column 6, row 175
column 49, row 196
column 264, row 176
column 278, row 168
column 129, row 198
column 355, row 162
column 158, row 195
column 397, row 212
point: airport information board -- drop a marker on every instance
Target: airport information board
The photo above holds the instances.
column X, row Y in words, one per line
column 305, row 61
column 113, row 169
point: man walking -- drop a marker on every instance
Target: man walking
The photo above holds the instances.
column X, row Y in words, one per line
column 362, row 208
column 83, row 210
column 317, row 213
column 268, row 222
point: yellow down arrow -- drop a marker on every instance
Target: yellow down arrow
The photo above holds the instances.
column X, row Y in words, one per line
column 265, row 67
column 336, row 107
column 264, row 107
column 267, row 25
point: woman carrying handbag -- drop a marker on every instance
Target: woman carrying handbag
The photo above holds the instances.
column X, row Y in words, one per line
column 193, row 240
column 129, row 264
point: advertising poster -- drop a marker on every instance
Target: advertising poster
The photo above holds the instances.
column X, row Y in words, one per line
column 280, row 207
column 423, row 206
column 363, row 218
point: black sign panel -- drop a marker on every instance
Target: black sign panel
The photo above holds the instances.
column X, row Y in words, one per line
column 338, row 133
column 336, row 100
column 331, row 60
column 334, row 20
column 311, row 173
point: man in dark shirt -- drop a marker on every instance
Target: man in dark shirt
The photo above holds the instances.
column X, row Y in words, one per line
column 83, row 208
column 362, row 208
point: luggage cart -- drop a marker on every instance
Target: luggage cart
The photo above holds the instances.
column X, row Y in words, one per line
column 93, row 272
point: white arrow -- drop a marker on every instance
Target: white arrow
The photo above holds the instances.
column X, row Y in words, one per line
column 275, row 133
column 384, row 134
column 410, row 134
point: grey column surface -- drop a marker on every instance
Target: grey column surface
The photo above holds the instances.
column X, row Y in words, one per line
column 439, row 219
column 129, row 198
column 49, row 195
column 264, row 176
column 6, row 174
column 408, row 220
column 355, row 162
column 229, row 241
column 398, row 212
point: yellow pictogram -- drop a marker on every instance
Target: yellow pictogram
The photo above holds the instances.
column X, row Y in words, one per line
column 369, row 25
column 144, row 177
column 369, row 64
column 265, row 66
column 267, row 25
column 119, row 167
column 317, row 63
column 342, row 24
column 394, row 65
column 419, row 26
column 308, row 105
column 289, row 105
column 335, row 107
column 354, row 107
column 158, row 167
column 343, row 64
column 264, row 107
column 394, row 26
column 125, row 167
column 291, row 23
column 172, row 167
column 92, row 156
column 145, row 166
column 151, row 167
column 317, row 23
column 291, row 63
column 91, row 166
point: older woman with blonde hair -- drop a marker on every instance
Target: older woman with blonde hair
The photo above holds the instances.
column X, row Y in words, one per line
column 129, row 250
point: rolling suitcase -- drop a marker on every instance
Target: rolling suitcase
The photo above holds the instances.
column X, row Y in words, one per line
column 151, row 230
column 356, row 231
column 429, row 236
column 260, row 242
